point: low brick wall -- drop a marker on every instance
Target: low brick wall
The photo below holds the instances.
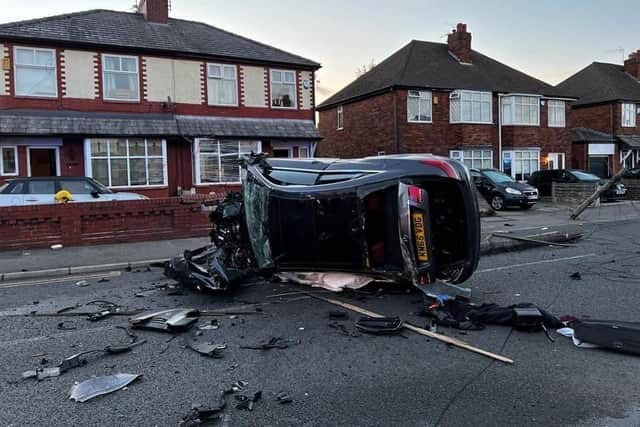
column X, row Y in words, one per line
column 77, row 224
column 572, row 194
column 633, row 188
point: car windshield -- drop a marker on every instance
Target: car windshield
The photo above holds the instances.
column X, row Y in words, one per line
column 256, row 204
column 498, row 177
column 101, row 188
column 584, row 176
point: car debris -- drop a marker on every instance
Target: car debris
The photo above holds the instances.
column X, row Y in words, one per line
column 173, row 320
column 209, row 325
column 274, row 342
column 380, row 325
column 608, row 334
column 401, row 218
column 66, row 325
column 199, row 415
column 247, row 402
column 338, row 315
column 82, row 283
column 576, row 276
column 236, row 387
column 206, row 347
column 340, row 327
column 283, row 398
column 97, row 386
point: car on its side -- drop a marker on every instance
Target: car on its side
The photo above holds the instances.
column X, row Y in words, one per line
column 42, row 190
column 502, row 191
column 406, row 218
column 543, row 180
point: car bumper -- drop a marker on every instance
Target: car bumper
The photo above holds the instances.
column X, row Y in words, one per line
column 520, row 200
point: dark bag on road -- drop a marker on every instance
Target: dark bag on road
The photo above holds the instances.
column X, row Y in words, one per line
column 620, row 336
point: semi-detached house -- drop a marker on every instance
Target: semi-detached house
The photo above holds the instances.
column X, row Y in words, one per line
column 449, row 100
column 145, row 102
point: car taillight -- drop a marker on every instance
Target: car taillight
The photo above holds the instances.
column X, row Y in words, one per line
column 415, row 193
column 443, row 165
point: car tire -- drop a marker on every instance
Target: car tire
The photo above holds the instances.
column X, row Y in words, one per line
column 497, row 202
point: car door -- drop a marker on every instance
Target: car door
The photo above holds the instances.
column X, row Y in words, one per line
column 40, row 191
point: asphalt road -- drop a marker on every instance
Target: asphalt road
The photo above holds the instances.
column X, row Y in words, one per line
column 334, row 379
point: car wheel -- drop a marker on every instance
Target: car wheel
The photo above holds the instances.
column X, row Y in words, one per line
column 497, row 202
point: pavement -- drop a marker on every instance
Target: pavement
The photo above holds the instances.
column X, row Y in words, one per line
column 336, row 379
column 544, row 221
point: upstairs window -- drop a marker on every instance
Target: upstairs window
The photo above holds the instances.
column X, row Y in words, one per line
column 628, row 115
column 419, row 106
column 222, row 84
column 283, row 89
column 35, row 72
column 340, row 117
column 468, row 106
column 120, row 79
column 521, row 110
column 556, row 113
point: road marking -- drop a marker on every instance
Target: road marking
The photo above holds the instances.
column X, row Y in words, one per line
column 63, row 279
column 9, row 343
column 545, row 261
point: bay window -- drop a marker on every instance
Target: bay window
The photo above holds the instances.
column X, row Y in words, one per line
column 222, row 84
column 217, row 162
column 419, row 106
column 283, row 89
column 35, row 72
column 118, row 162
column 9, row 161
column 520, row 164
column 468, row 106
column 628, row 115
column 521, row 110
column 120, row 78
column 556, row 113
column 480, row 159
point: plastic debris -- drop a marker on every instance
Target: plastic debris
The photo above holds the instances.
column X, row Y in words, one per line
column 380, row 325
column 576, row 276
column 206, row 348
column 82, row 283
column 166, row 320
column 274, row 342
column 283, row 398
column 247, row 402
column 56, row 247
column 93, row 387
column 236, row 387
column 199, row 415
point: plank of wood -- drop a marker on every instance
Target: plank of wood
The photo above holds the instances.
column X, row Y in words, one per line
column 537, row 241
column 448, row 340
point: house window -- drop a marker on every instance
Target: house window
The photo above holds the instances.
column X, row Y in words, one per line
column 127, row 162
column 628, row 115
column 555, row 161
column 9, row 163
column 521, row 110
column 217, row 161
column 120, row 78
column 419, row 106
column 303, row 152
column 521, row 164
column 480, row 159
column 35, row 72
column 283, row 89
column 556, row 113
column 222, row 84
column 470, row 107
column 340, row 117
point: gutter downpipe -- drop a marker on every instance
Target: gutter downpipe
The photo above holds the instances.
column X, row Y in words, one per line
column 395, row 120
column 500, row 162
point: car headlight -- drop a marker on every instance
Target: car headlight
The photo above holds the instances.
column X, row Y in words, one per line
column 513, row 191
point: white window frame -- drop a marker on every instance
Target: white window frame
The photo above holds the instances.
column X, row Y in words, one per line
column 629, row 114
column 420, row 95
column 560, row 160
column 57, row 155
column 197, row 154
column 15, row 159
column 461, row 157
column 108, row 157
column 222, row 77
column 104, row 70
column 512, row 153
column 460, row 94
column 283, row 82
column 303, row 147
column 509, row 104
column 339, row 117
column 556, row 114
column 17, row 66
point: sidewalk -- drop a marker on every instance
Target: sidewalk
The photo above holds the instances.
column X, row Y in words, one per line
column 543, row 220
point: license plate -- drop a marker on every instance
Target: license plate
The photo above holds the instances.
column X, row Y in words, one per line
column 534, row 197
column 421, row 236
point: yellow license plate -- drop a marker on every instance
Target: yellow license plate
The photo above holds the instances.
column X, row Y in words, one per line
column 421, row 236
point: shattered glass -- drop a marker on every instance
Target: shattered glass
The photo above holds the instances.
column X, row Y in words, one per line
column 256, row 202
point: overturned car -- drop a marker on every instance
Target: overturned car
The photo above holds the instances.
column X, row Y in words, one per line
column 404, row 218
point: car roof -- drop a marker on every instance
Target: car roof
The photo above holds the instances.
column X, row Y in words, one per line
column 43, row 178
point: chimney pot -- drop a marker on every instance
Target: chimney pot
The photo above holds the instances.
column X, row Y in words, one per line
column 459, row 43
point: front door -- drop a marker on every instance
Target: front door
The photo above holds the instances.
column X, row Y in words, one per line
column 599, row 166
column 43, row 161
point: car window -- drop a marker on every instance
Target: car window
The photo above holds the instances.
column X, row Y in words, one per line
column 41, row 187
column 327, row 178
column 77, row 186
column 584, row 176
column 17, row 188
column 498, row 177
column 287, row 177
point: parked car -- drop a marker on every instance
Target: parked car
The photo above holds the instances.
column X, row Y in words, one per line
column 543, row 181
column 409, row 218
column 42, row 190
column 502, row 191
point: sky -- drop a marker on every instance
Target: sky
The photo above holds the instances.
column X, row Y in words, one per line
column 548, row 39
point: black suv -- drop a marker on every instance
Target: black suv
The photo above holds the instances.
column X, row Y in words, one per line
column 543, row 180
column 502, row 191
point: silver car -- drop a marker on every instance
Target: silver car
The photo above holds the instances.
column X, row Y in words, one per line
column 42, row 190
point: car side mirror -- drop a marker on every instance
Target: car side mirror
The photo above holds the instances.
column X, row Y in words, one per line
column 95, row 194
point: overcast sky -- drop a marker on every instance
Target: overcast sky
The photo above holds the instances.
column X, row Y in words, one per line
column 548, row 39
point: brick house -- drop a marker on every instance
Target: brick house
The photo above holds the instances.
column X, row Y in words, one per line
column 148, row 103
column 606, row 129
column 443, row 98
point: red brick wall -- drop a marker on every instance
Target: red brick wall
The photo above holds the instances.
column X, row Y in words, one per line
column 78, row 224
column 596, row 117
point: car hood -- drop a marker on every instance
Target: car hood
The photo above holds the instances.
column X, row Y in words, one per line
column 517, row 185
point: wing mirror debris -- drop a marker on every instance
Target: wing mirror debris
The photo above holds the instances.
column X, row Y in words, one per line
column 93, row 387
column 174, row 320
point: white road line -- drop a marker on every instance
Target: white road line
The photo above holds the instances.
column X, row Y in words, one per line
column 63, row 279
column 9, row 343
column 545, row 261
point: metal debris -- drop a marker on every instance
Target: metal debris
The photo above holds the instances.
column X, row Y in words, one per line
column 93, row 387
column 274, row 342
column 246, row 402
column 199, row 414
column 380, row 325
column 206, row 348
column 173, row 320
column 283, row 398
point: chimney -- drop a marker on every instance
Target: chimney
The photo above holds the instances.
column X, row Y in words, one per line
column 459, row 41
column 156, row 11
column 632, row 64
